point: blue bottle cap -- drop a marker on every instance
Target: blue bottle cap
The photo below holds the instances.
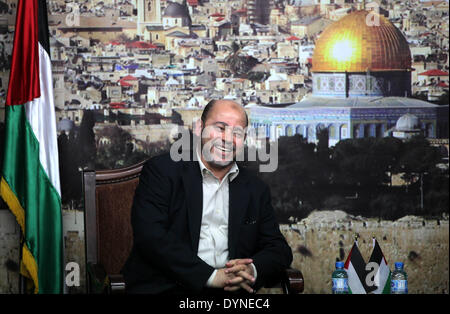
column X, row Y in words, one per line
column 339, row 264
column 398, row 264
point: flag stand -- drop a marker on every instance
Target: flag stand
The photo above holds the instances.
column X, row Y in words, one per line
column 373, row 277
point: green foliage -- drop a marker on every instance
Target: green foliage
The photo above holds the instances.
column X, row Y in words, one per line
column 336, row 202
column 366, row 162
column 239, row 65
column 258, row 76
column 388, row 206
column 418, row 158
column 69, row 165
column 355, row 176
column 443, row 99
column 86, row 140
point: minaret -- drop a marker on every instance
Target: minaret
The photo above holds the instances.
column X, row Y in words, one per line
column 187, row 12
column 149, row 13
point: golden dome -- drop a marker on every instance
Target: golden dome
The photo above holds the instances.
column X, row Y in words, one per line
column 354, row 45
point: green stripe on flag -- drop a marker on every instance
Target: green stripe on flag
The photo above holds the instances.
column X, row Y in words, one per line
column 41, row 203
column 387, row 286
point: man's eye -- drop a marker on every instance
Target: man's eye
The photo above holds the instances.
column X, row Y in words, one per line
column 220, row 128
column 239, row 134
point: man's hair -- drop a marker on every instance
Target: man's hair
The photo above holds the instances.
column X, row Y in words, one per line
column 208, row 108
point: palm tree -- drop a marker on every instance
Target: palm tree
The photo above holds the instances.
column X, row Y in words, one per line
column 239, row 64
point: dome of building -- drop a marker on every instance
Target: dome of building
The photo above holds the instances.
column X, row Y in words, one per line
column 175, row 9
column 408, row 123
column 356, row 43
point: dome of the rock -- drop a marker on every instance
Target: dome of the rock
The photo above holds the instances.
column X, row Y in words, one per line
column 359, row 42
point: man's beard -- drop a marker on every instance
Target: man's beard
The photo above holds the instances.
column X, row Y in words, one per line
column 218, row 146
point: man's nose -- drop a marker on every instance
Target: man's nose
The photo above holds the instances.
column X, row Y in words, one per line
column 227, row 135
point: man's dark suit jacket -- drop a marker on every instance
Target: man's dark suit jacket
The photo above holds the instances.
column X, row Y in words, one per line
column 166, row 218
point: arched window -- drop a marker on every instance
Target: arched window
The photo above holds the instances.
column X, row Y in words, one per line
column 379, row 132
column 367, row 130
column 289, row 131
column 343, row 131
column 430, row 130
column 356, row 131
column 311, row 133
column 278, row 130
column 322, row 132
column 332, row 132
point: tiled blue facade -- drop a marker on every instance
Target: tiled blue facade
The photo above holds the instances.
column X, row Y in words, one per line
column 370, row 84
column 342, row 123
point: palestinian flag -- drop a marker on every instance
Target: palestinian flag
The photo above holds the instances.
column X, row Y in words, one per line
column 30, row 177
column 356, row 271
column 382, row 277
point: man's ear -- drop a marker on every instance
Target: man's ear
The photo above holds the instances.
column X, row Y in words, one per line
column 198, row 124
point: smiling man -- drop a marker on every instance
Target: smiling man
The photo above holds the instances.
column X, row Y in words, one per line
column 205, row 226
column 223, row 125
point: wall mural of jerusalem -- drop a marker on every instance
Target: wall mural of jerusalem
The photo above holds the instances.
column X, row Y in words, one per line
column 353, row 95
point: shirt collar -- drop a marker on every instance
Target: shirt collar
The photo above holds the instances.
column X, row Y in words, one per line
column 232, row 173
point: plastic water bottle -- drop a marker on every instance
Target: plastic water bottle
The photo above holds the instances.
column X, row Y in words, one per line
column 339, row 280
column 399, row 280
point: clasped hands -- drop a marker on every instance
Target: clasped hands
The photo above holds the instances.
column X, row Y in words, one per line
column 237, row 274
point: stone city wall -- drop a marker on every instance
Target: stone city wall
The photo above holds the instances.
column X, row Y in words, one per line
column 324, row 237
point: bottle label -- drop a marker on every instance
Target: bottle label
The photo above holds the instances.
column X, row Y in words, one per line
column 339, row 285
column 399, row 286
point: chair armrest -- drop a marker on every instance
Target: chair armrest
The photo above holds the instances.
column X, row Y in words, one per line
column 292, row 281
column 101, row 282
column 116, row 284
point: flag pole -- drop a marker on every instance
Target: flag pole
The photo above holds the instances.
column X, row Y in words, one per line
column 21, row 277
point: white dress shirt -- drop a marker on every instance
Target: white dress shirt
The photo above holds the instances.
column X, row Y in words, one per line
column 213, row 242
